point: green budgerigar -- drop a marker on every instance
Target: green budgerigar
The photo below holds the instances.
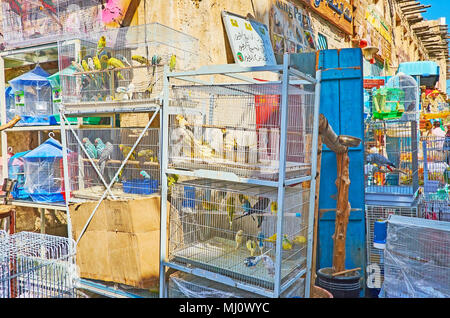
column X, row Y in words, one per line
column 99, row 145
column 90, row 148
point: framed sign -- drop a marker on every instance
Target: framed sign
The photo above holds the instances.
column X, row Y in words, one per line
column 249, row 41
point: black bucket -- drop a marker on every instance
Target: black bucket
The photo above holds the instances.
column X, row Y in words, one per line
column 343, row 286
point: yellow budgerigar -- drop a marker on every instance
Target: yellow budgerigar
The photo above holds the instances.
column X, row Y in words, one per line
column 274, row 207
column 251, row 246
column 299, row 239
column 239, row 238
column 115, row 63
column 286, row 244
column 101, row 44
column 173, row 62
column 140, row 59
column 231, row 209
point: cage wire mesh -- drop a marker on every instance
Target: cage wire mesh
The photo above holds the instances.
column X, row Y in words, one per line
column 106, row 149
column 417, row 258
column 235, row 128
column 122, row 64
column 382, row 213
column 35, row 265
column 27, row 23
column 391, row 157
column 206, row 217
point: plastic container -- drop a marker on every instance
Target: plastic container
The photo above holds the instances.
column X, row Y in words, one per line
column 139, row 186
column 343, row 286
column 379, row 234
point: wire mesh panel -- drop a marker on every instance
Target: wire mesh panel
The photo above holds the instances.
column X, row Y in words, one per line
column 417, row 258
column 104, row 151
column 391, row 157
column 123, row 64
column 34, row 265
column 382, row 213
column 235, row 128
column 28, row 23
column 230, row 228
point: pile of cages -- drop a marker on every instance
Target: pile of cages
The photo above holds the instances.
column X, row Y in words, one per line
column 435, row 203
column 235, row 129
column 95, row 156
column 230, row 229
column 122, row 65
column 34, row 265
column 391, row 164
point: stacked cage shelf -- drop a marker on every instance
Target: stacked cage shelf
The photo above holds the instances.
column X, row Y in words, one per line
column 244, row 152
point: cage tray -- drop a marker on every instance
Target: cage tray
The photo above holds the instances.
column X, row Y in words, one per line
column 95, row 192
column 219, row 255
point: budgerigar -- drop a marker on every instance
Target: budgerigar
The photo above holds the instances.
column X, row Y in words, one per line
column 239, row 238
column 140, row 59
column 101, row 45
column 274, row 207
column 99, row 145
column 260, row 239
column 379, row 160
column 251, row 246
column 105, row 155
column 155, row 61
column 259, row 207
column 85, row 66
column 172, row 62
column 231, row 208
column 91, row 64
column 115, row 63
column 123, row 59
column 267, row 261
column 272, row 238
column 126, row 150
column 286, row 244
column 299, row 239
column 146, row 155
column 97, row 64
column 145, row 174
column 90, row 148
column 77, row 66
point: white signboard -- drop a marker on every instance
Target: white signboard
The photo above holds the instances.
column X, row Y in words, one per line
column 249, row 41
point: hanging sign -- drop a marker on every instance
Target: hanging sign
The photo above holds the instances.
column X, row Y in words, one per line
column 290, row 28
column 19, row 98
column 249, row 41
column 338, row 12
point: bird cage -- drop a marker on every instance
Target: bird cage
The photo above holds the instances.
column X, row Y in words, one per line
column 16, row 171
column 34, row 265
column 235, row 129
column 230, row 229
column 403, row 95
column 28, row 23
column 43, row 172
column 123, row 64
column 375, row 252
column 391, row 158
column 98, row 154
column 417, row 258
column 33, row 97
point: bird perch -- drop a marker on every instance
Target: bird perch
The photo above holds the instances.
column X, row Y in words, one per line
column 11, row 123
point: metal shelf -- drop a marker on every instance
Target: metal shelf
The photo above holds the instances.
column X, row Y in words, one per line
column 38, row 205
column 38, row 128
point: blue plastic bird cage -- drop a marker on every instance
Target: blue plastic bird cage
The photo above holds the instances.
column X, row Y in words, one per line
column 33, row 97
column 16, row 172
column 43, row 171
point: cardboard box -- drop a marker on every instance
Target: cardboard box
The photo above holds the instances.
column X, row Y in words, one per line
column 121, row 243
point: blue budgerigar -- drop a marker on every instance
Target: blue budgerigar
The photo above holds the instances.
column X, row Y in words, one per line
column 90, row 148
column 145, row 174
column 99, row 145
column 379, row 160
column 105, row 155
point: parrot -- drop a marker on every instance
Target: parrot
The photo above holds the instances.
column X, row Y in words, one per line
column 90, row 148
column 105, row 155
column 126, row 150
column 251, row 246
column 101, row 44
column 145, row 174
column 115, row 63
column 146, row 155
column 99, row 145
column 90, row 63
column 260, row 239
column 171, row 179
column 140, row 59
column 231, row 208
column 379, row 160
column 123, row 59
column 172, row 63
column 155, row 61
column 85, row 66
column 272, row 239
column 238, row 238
column 97, row 64
column 259, row 207
column 267, row 261
column 212, row 204
column 287, row 245
column 299, row 239
column 274, row 207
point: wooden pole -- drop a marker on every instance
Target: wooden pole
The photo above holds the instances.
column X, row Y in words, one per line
column 342, row 211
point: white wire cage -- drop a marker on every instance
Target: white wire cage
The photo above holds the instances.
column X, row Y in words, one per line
column 382, row 213
column 98, row 153
column 35, row 265
column 391, row 157
column 206, row 216
column 27, row 23
column 235, row 128
column 417, row 258
column 122, row 64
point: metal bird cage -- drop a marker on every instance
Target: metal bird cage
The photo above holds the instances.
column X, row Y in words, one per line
column 381, row 213
column 27, row 23
column 34, row 265
column 203, row 234
column 122, row 64
column 404, row 95
column 417, row 258
column 235, row 128
column 391, row 167
column 139, row 176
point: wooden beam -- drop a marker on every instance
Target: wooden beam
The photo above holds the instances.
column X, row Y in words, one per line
column 131, row 10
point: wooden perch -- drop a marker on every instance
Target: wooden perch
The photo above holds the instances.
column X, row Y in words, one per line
column 329, row 136
column 11, row 123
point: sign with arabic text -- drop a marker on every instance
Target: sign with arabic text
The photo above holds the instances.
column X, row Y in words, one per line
column 338, row 12
column 249, row 41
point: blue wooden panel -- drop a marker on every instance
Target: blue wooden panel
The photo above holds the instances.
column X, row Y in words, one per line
column 342, row 105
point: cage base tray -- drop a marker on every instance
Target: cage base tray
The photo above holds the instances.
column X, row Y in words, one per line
column 95, row 193
column 219, row 255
